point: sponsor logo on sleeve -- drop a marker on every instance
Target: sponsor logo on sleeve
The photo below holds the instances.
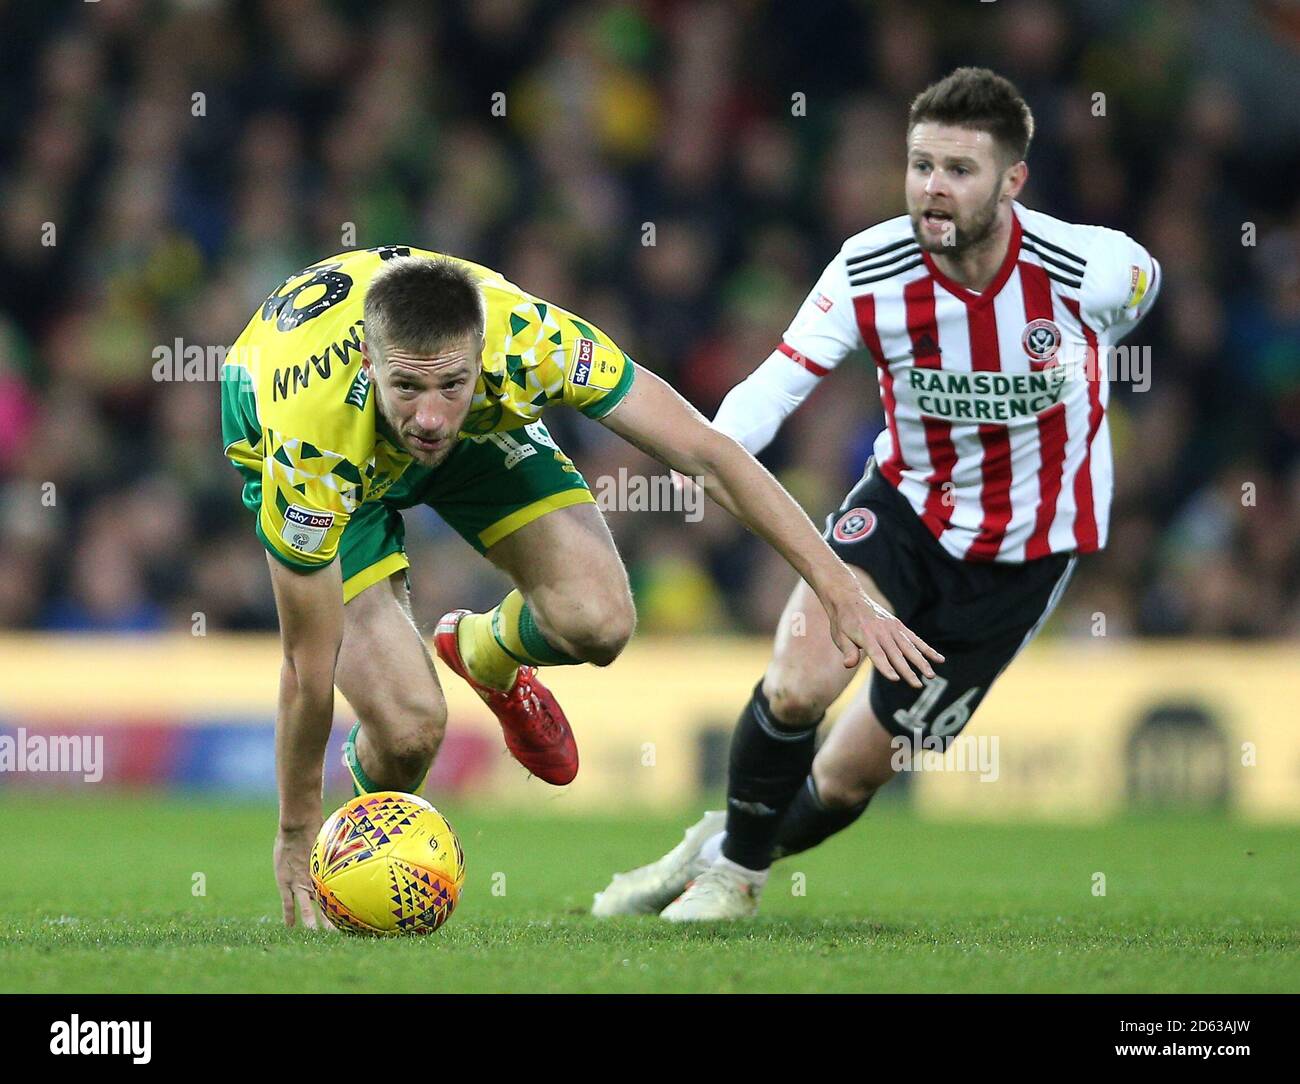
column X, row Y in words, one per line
column 1137, row 286
column 305, row 528
column 583, row 352
column 823, row 302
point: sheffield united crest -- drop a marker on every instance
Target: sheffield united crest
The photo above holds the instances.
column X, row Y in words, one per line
column 1041, row 340
column 854, row 525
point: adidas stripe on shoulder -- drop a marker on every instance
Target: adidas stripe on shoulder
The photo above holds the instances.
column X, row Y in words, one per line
column 876, row 265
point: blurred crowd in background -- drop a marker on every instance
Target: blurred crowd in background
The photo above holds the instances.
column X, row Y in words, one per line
column 753, row 137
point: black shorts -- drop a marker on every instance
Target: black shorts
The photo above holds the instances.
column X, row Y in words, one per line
column 977, row 614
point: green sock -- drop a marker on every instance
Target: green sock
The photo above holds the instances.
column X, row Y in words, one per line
column 361, row 783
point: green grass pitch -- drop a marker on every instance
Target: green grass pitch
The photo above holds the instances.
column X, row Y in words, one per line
column 97, row 895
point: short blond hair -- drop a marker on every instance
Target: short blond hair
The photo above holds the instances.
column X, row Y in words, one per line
column 422, row 303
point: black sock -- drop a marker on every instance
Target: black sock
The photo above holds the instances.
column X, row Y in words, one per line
column 768, row 764
column 807, row 821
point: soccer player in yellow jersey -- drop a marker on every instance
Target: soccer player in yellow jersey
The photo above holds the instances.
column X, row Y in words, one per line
column 381, row 379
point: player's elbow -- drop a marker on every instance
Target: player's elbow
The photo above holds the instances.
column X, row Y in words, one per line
column 718, row 457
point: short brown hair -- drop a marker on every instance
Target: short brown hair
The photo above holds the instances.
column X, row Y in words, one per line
column 421, row 304
column 980, row 99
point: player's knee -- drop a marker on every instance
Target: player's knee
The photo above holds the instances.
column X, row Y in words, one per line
column 603, row 644
column 792, row 702
column 418, row 727
column 599, row 628
column 411, row 752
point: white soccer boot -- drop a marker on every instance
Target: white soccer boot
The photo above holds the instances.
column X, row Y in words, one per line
column 720, row 894
column 647, row 890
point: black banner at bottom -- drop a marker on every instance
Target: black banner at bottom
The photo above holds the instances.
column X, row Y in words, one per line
column 334, row 1032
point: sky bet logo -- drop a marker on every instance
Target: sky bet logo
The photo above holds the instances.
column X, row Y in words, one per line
column 582, row 361
column 305, row 528
column 304, row 518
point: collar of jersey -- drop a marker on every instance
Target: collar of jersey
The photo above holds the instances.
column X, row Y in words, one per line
column 962, row 293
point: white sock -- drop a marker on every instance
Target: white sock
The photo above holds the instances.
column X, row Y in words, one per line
column 712, row 849
column 756, row 877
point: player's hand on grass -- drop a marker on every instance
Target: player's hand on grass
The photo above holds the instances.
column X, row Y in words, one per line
column 861, row 625
column 293, row 876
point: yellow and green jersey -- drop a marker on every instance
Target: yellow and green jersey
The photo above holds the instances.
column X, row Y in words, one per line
column 298, row 412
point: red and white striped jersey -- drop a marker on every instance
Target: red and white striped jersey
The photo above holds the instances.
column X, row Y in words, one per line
column 995, row 403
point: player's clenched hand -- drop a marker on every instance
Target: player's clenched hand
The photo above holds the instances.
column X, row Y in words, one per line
column 860, row 624
column 292, row 875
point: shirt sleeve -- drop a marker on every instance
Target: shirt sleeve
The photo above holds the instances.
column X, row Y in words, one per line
column 597, row 374
column 1122, row 282
column 308, row 495
column 754, row 409
column 824, row 330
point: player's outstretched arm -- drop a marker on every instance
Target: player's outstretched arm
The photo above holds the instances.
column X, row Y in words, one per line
column 310, row 606
column 660, row 422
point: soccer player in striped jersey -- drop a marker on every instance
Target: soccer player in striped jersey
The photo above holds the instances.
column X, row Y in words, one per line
column 990, row 325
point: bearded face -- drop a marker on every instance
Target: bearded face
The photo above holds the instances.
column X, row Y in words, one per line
column 954, row 186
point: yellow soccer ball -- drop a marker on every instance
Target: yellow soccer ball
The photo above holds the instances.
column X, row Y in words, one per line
column 387, row 863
